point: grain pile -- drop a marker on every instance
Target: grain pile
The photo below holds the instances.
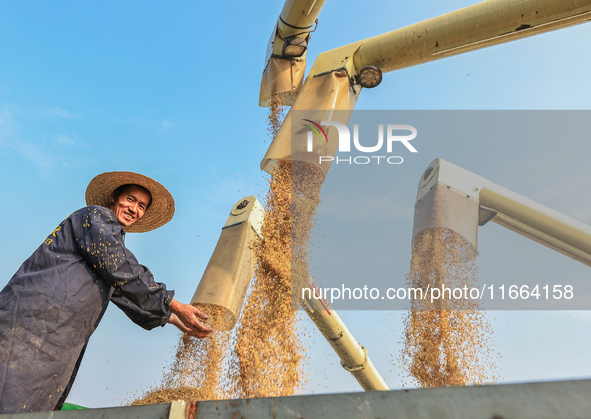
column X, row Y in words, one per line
column 447, row 342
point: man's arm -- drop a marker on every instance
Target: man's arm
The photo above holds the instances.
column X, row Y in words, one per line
column 184, row 316
column 142, row 318
column 146, row 302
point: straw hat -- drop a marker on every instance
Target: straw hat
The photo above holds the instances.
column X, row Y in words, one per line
column 161, row 208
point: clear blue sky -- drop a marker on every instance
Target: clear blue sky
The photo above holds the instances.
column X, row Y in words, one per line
column 170, row 89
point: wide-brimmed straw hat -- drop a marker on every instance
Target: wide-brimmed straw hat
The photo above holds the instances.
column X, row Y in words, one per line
column 159, row 212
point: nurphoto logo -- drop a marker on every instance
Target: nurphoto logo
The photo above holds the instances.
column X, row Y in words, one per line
column 394, row 133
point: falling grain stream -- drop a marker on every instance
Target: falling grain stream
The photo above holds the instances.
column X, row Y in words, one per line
column 446, row 343
column 263, row 355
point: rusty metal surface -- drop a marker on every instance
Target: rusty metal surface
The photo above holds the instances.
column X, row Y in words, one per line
column 192, row 410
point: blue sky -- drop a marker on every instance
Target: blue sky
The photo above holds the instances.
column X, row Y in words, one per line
column 171, row 90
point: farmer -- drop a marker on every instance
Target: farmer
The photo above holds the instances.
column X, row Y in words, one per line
column 56, row 299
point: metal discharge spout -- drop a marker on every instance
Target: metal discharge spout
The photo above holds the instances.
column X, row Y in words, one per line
column 232, row 264
column 484, row 24
column 333, row 96
column 454, row 198
column 284, row 66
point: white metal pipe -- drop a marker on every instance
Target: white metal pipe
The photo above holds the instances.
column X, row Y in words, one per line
column 538, row 222
column 462, row 191
column 481, row 25
column 354, row 357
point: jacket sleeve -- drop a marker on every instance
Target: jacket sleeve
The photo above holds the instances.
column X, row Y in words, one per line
column 137, row 315
column 144, row 301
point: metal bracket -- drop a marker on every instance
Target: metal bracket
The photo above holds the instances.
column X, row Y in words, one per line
column 357, row 367
column 485, row 215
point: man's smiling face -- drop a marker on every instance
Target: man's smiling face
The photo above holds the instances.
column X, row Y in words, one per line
column 131, row 204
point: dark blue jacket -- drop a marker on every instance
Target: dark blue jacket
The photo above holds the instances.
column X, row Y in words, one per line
column 54, row 302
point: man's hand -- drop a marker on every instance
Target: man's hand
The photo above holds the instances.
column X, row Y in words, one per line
column 184, row 316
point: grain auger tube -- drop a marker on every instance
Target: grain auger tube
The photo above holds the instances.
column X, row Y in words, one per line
column 337, row 77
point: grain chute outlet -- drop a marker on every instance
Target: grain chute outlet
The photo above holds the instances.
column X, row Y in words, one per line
column 453, row 198
column 232, row 264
